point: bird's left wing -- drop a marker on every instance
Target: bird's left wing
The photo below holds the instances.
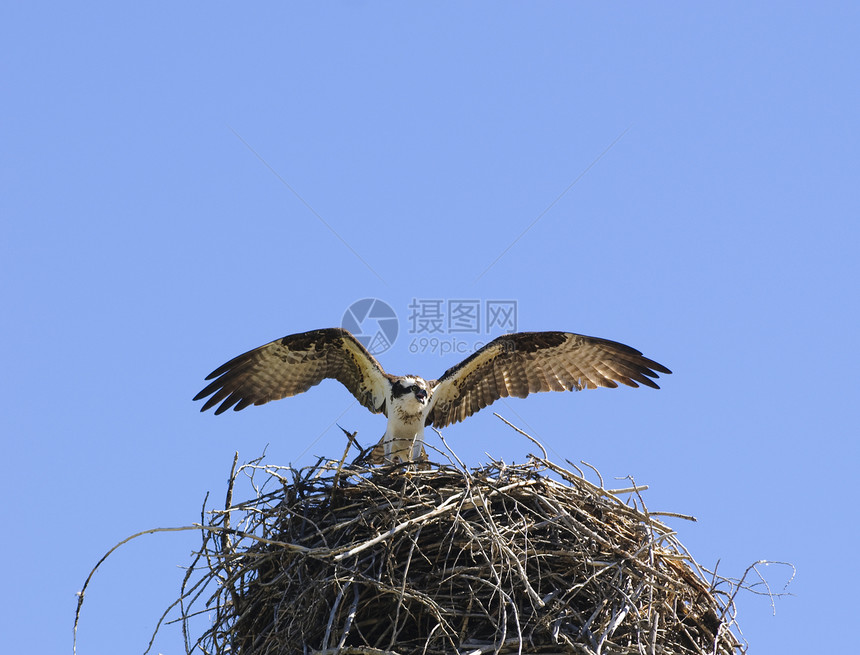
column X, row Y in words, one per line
column 527, row 362
column 294, row 364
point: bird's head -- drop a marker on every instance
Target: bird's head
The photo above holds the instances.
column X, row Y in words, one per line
column 410, row 389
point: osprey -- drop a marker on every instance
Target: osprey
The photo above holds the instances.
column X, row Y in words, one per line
column 512, row 365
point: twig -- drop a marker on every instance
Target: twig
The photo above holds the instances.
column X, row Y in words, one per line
column 525, row 434
column 440, row 559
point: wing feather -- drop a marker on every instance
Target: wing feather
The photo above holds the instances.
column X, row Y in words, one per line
column 294, row 364
column 529, row 362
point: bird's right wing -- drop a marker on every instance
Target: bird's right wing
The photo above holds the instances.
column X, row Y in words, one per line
column 294, row 364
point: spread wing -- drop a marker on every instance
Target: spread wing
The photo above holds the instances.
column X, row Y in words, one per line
column 526, row 362
column 294, row 364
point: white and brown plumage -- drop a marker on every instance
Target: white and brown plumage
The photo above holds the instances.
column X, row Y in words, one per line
column 511, row 365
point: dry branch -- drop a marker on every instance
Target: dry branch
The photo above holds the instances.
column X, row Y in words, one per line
column 531, row 558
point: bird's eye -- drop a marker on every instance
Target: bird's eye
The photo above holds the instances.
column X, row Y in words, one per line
column 413, row 388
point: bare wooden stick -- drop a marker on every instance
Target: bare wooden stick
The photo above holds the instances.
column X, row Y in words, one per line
column 349, row 559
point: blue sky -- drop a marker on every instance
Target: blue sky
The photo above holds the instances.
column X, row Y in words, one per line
column 181, row 183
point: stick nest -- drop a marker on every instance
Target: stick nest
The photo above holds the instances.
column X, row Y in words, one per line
column 531, row 558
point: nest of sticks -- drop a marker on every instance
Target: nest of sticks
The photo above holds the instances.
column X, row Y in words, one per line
column 533, row 558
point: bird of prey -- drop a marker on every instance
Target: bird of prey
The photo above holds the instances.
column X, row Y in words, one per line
column 514, row 364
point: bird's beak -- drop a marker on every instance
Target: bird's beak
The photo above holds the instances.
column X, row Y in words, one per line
column 421, row 395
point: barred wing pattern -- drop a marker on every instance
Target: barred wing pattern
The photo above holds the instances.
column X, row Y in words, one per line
column 528, row 362
column 294, row 364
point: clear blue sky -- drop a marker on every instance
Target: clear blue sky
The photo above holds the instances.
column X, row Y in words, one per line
column 183, row 182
